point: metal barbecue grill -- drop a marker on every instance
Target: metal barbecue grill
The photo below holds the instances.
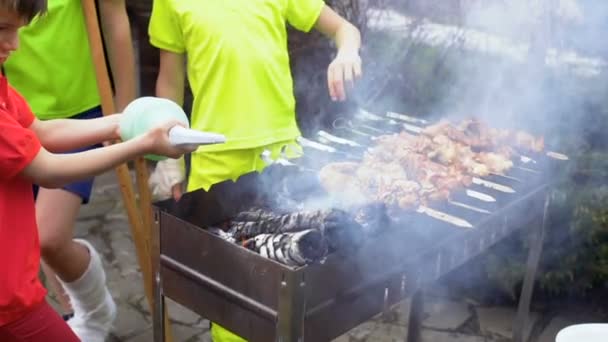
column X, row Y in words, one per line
column 264, row 300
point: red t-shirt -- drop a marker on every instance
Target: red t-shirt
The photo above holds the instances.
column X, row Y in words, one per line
column 20, row 288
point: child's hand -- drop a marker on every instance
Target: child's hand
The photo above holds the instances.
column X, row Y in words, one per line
column 166, row 181
column 159, row 141
column 345, row 68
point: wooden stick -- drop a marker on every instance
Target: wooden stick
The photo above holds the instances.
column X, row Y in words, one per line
column 140, row 227
column 145, row 199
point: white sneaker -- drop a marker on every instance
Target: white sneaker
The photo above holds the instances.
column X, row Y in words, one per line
column 94, row 308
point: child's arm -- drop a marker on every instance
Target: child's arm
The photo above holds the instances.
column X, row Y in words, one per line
column 54, row 170
column 117, row 37
column 347, row 64
column 171, row 76
column 62, row 135
column 170, row 84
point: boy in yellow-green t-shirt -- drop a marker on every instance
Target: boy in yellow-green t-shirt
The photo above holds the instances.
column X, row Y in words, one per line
column 236, row 58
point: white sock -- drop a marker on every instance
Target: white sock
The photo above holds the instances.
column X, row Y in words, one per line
column 94, row 308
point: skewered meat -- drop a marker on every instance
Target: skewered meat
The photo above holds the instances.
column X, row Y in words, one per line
column 495, row 162
column 468, row 133
column 479, row 136
column 340, row 178
column 527, row 141
column 405, row 170
column 400, row 193
column 405, row 181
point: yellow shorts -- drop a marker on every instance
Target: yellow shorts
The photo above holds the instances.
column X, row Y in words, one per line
column 209, row 168
column 219, row 334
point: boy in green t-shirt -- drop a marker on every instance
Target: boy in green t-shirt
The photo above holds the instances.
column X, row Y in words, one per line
column 238, row 69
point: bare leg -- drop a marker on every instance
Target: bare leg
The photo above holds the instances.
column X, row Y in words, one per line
column 53, row 285
column 56, row 212
column 76, row 263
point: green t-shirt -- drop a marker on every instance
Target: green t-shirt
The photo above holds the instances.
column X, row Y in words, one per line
column 53, row 68
column 238, row 64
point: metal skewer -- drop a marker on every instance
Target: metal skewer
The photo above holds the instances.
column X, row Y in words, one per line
column 436, row 214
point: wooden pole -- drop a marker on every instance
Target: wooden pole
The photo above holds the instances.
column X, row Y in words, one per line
column 140, row 226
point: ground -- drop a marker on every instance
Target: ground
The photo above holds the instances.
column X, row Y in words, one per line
column 104, row 223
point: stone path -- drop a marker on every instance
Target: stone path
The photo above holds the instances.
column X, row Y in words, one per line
column 104, row 223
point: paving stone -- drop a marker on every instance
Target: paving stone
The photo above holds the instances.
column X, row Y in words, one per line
column 499, row 320
column 118, row 230
column 440, row 336
column 99, row 244
column 108, row 191
column 383, row 332
column 180, row 314
column 119, row 214
column 124, row 251
column 107, row 186
column 117, row 224
column 397, row 314
column 143, row 306
column 204, row 337
column 130, row 321
column 551, row 330
column 343, row 338
column 437, row 290
column 145, row 336
column 184, row 332
column 445, row 314
column 96, row 209
column 180, row 333
column 127, row 288
column 362, row 332
column 85, row 227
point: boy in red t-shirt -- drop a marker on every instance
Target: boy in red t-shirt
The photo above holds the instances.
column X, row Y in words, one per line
column 27, row 148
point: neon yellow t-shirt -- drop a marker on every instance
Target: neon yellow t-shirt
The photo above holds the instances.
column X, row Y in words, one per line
column 53, row 68
column 238, row 64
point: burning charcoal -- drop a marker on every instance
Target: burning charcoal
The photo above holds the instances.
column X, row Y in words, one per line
column 373, row 218
column 254, row 214
column 252, row 223
column 341, row 230
column 338, row 227
column 221, row 233
column 292, row 249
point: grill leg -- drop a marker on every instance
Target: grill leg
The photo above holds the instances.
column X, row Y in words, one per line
column 158, row 310
column 292, row 304
column 159, row 316
column 414, row 312
column 537, row 237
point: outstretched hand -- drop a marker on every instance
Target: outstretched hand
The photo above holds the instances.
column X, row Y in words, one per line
column 160, row 144
column 342, row 73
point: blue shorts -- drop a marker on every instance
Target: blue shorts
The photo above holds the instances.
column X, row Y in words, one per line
column 82, row 188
